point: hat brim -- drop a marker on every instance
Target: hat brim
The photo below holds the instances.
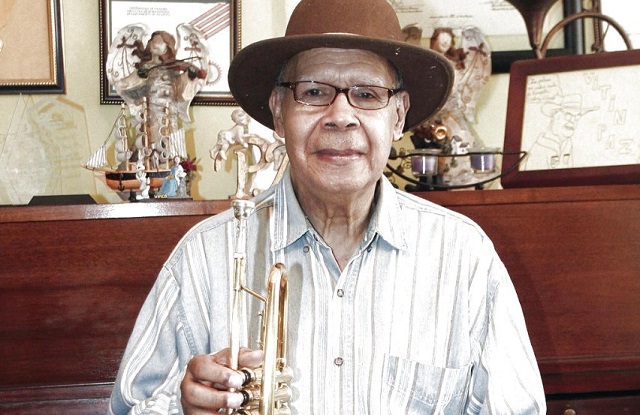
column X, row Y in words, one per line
column 427, row 75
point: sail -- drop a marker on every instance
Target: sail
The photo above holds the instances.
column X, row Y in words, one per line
column 122, row 149
column 177, row 144
column 98, row 159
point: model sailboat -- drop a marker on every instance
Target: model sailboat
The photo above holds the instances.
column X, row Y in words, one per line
column 135, row 158
column 157, row 79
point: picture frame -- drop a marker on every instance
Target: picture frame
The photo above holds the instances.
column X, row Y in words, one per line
column 499, row 21
column 587, row 100
column 31, row 48
column 223, row 37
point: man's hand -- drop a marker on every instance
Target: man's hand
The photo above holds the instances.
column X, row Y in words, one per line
column 206, row 384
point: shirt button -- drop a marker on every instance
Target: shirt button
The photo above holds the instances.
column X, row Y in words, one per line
column 305, row 249
column 340, row 293
column 338, row 361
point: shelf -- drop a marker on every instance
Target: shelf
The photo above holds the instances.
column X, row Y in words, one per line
column 212, row 207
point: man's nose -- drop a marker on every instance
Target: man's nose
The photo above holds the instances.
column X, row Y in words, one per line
column 341, row 114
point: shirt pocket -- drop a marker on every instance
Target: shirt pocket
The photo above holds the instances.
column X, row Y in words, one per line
column 410, row 387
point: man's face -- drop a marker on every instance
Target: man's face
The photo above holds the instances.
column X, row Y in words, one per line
column 563, row 123
column 338, row 148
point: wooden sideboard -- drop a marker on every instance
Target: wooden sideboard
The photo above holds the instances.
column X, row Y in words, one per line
column 72, row 279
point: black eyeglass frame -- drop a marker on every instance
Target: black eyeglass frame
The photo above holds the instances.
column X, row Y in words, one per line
column 292, row 86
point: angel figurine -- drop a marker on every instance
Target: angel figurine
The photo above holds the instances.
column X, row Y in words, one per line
column 160, row 74
column 472, row 66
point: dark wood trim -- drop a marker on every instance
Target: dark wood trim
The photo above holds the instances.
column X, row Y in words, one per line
column 86, row 399
column 533, row 195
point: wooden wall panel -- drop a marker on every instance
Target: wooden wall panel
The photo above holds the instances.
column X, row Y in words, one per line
column 70, row 291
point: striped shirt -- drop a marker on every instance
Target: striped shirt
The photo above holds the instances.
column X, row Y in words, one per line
column 423, row 320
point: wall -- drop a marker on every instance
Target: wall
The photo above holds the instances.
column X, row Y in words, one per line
column 81, row 54
column 82, row 72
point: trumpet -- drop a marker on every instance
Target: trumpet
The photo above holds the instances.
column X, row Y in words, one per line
column 265, row 388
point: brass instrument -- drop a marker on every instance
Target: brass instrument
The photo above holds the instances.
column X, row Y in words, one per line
column 438, row 131
column 265, row 389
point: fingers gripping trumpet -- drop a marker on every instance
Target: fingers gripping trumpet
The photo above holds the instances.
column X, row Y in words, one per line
column 265, row 389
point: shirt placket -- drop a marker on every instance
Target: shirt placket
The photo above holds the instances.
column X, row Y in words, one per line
column 339, row 360
column 341, row 324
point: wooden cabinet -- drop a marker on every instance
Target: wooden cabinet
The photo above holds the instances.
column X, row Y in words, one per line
column 574, row 257
column 603, row 405
column 72, row 279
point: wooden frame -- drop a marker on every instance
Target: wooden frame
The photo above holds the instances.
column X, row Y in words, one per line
column 31, row 59
column 166, row 15
column 498, row 16
column 591, row 102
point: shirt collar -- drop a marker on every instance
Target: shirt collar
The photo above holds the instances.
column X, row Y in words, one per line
column 385, row 220
column 291, row 222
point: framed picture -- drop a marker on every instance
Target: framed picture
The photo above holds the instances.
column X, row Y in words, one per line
column 31, row 59
column 576, row 117
column 499, row 22
column 218, row 20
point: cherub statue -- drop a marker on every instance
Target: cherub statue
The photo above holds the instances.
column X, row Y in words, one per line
column 257, row 156
column 233, row 135
column 160, row 71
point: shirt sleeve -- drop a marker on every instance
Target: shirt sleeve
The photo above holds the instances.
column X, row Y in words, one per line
column 506, row 379
column 152, row 368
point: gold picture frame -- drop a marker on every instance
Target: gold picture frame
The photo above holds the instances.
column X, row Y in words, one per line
column 31, row 58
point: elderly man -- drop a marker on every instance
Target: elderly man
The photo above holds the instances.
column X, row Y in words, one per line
column 396, row 305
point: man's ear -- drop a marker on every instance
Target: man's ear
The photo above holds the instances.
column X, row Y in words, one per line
column 403, row 104
column 275, row 105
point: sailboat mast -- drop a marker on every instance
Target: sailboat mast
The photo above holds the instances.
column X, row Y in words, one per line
column 145, row 131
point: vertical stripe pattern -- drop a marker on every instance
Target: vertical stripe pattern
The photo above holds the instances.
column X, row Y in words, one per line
column 423, row 320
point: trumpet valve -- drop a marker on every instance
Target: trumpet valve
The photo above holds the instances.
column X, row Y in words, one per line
column 251, row 392
column 254, row 376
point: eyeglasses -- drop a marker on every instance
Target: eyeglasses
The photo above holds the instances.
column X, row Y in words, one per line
column 319, row 94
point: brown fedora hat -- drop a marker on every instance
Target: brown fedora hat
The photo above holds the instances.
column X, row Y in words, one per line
column 345, row 24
